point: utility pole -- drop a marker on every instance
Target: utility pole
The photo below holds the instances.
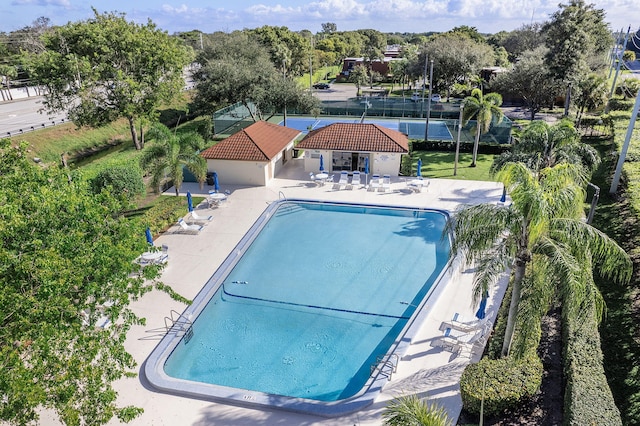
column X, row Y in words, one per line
column 625, row 146
column 620, row 53
column 426, row 129
column 455, row 164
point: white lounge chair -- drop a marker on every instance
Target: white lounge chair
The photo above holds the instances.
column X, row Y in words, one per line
column 355, row 180
column 343, row 182
column 375, row 183
column 195, row 217
column 461, row 342
column 189, row 229
column 465, row 324
column 385, row 184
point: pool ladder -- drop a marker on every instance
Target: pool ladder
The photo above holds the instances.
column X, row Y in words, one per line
column 177, row 323
column 386, row 365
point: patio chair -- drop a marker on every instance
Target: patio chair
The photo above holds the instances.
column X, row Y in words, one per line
column 386, row 184
column 462, row 343
column 375, row 183
column 343, row 182
column 459, row 322
column 195, row 217
column 189, row 229
column 355, row 180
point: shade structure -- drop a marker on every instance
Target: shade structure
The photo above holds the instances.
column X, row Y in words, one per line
column 419, row 171
column 216, row 185
column 321, row 163
column 189, row 201
column 149, row 236
column 482, row 308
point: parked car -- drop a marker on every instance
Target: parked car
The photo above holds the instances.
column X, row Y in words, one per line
column 415, row 97
column 436, row 98
column 321, row 86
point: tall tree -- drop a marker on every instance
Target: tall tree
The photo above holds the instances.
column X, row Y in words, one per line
column 574, row 34
column 170, row 154
column 359, row 76
column 67, row 256
column 456, row 58
column 275, row 38
column 236, row 68
column 530, row 80
column 518, row 41
column 486, row 110
column 106, row 68
column 544, row 219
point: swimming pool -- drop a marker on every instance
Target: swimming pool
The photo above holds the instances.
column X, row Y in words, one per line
column 414, row 129
column 306, row 311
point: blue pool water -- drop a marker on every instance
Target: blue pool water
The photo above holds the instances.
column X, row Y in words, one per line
column 311, row 300
column 414, row 129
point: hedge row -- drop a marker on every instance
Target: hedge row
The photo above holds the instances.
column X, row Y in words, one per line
column 588, row 399
column 503, row 383
column 483, row 148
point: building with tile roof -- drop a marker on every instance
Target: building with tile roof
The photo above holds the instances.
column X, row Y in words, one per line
column 252, row 156
column 346, row 146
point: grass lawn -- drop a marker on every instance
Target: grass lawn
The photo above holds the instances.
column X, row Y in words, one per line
column 441, row 165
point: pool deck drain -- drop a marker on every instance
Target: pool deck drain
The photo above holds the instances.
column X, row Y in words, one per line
column 425, row 369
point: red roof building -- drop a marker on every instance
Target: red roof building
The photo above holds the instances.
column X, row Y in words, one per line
column 252, row 156
column 347, row 146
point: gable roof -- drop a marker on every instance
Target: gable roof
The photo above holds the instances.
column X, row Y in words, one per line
column 361, row 137
column 261, row 141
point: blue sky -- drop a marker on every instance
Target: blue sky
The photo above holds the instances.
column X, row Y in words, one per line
column 488, row 16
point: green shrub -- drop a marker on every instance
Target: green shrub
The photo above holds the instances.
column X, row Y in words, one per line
column 588, row 399
column 411, row 410
column 504, row 383
column 617, row 104
column 122, row 180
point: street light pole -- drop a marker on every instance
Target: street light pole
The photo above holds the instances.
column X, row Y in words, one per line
column 455, row 164
column 426, row 129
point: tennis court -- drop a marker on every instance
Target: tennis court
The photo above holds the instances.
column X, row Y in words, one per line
column 414, row 129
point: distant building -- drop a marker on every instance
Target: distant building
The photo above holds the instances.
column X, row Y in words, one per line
column 381, row 66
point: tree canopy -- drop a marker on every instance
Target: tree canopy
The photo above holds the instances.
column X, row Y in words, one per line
column 575, row 34
column 237, row 68
column 529, row 79
column 67, row 258
column 106, row 68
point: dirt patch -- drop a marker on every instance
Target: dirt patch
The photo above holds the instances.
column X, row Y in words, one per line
column 546, row 407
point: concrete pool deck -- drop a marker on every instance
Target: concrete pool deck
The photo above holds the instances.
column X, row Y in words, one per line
column 425, row 369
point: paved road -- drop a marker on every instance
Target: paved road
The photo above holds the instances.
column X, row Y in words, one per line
column 21, row 116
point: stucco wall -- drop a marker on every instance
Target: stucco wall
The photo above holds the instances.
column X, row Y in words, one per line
column 385, row 163
column 252, row 173
column 381, row 162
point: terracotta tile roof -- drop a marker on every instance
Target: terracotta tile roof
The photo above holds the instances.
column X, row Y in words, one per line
column 361, row 137
column 261, row 141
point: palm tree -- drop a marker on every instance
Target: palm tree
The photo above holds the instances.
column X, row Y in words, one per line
column 545, row 220
column 170, row 153
column 410, row 410
column 542, row 145
column 486, row 110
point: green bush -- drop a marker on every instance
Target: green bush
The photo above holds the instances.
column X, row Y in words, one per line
column 122, row 180
column 617, row 104
column 588, row 399
column 504, row 383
